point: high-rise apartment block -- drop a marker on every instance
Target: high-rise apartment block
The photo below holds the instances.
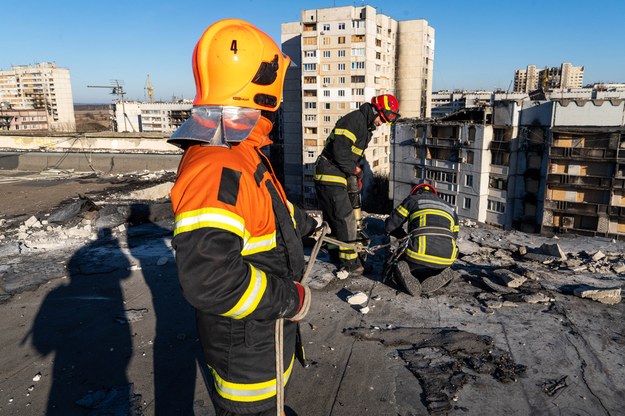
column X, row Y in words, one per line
column 566, row 76
column 43, row 88
column 554, row 165
column 343, row 57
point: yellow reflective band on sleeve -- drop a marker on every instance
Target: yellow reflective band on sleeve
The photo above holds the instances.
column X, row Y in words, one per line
column 402, row 211
column 259, row 244
column 248, row 392
column 331, row 179
column 252, row 296
column 351, row 136
column 292, row 212
column 358, row 151
column 209, row 217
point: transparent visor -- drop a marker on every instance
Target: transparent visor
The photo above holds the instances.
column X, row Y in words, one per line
column 217, row 125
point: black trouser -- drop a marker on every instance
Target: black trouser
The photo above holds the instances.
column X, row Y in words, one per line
column 338, row 212
column 222, row 412
column 422, row 272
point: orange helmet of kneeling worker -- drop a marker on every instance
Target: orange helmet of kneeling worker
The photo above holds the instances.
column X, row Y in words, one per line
column 387, row 106
column 236, row 64
column 422, row 188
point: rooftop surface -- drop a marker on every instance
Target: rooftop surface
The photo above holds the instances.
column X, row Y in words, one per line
column 94, row 322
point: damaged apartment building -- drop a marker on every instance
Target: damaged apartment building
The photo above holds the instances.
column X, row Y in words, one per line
column 537, row 166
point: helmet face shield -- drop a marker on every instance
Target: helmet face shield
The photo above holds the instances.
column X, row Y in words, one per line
column 388, row 116
column 217, row 126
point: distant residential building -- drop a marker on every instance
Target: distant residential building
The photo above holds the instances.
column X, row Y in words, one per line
column 555, row 165
column 30, row 120
column 526, row 80
column 135, row 116
column 42, row 87
column 344, row 56
column 565, row 76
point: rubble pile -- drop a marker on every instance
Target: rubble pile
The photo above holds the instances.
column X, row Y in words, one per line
column 523, row 268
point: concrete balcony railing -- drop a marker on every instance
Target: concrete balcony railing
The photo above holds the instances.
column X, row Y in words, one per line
column 444, row 164
column 499, row 170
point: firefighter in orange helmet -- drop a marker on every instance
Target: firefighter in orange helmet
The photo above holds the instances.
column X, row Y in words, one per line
column 237, row 238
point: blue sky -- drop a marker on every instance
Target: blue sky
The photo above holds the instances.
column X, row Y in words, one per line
column 478, row 45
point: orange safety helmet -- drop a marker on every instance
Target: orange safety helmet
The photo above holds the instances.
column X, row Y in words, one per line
column 423, row 187
column 239, row 71
column 236, row 64
column 387, row 106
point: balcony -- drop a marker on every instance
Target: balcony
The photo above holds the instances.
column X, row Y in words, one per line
column 499, row 170
column 583, row 153
column 581, row 208
column 441, row 142
column 579, row 181
column 443, row 164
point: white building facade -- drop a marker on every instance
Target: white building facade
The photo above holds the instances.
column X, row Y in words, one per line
column 343, row 57
column 136, row 116
column 42, row 86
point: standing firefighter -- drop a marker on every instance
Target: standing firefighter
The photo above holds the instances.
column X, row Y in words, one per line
column 432, row 230
column 237, row 238
column 338, row 176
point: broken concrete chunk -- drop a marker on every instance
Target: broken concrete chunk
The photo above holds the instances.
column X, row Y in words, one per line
column 509, row 304
column 553, row 250
column 609, row 296
column 509, row 278
column 358, row 298
column 342, row 274
column 619, row 267
column 496, row 287
column 540, row 258
column 536, row 298
column 31, row 222
column 131, row 315
column 598, row 255
column 522, row 250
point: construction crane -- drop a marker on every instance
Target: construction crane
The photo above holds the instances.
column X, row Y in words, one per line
column 149, row 89
column 118, row 90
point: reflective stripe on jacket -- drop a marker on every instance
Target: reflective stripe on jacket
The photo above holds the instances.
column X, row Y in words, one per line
column 345, row 147
column 434, row 227
column 238, row 252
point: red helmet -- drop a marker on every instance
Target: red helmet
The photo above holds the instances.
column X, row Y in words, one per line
column 423, row 187
column 387, row 106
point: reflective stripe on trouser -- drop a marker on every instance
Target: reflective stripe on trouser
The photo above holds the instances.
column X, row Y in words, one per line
column 248, row 392
column 338, row 212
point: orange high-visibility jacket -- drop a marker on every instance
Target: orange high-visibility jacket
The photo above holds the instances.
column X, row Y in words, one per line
column 238, row 252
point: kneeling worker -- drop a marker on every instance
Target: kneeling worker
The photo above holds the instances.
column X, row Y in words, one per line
column 432, row 228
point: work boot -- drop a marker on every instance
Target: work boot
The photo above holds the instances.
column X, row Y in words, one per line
column 435, row 282
column 405, row 279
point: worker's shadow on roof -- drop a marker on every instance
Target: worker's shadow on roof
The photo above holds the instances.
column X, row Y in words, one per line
column 175, row 349
column 79, row 323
